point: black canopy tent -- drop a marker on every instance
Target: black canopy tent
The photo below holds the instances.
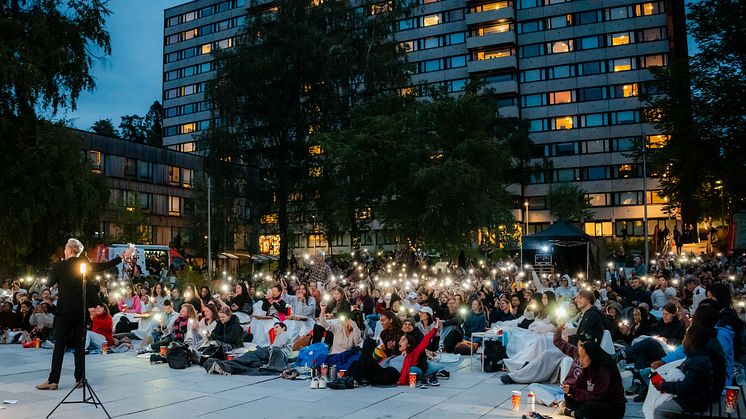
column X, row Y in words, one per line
column 563, row 234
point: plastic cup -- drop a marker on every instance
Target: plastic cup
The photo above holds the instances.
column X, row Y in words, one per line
column 104, row 348
column 412, row 380
column 731, row 399
column 230, row 357
column 516, row 399
column 163, row 350
column 342, row 373
column 37, row 342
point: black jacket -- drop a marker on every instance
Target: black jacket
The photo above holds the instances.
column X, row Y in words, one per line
column 694, row 392
column 498, row 315
column 673, row 332
column 230, row 332
column 279, row 305
column 66, row 275
column 591, row 324
column 640, row 295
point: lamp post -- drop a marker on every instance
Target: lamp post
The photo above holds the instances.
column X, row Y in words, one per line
column 645, row 199
column 209, row 228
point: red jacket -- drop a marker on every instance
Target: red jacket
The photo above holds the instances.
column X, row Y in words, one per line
column 103, row 326
column 411, row 359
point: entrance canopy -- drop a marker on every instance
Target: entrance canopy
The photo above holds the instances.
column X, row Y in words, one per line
column 561, row 233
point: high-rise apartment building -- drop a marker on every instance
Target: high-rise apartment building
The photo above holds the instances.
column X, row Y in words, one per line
column 572, row 69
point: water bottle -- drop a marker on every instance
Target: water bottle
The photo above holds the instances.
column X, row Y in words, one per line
column 333, row 373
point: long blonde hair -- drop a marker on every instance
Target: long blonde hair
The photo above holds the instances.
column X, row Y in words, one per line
column 191, row 312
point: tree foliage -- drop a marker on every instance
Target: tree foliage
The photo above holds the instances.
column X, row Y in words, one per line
column 130, row 220
column 48, row 191
column 433, row 170
column 703, row 111
column 104, row 127
column 295, row 72
column 568, row 202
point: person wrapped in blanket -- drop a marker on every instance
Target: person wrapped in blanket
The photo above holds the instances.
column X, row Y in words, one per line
column 392, row 370
column 265, row 360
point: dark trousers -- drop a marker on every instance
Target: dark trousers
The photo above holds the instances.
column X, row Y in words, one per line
column 163, row 341
column 366, row 368
column 318, row 335
column 594, row 409
column 644, row 352
column 68, row 331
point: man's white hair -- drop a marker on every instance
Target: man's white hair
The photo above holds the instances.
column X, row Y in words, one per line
column 76, row 246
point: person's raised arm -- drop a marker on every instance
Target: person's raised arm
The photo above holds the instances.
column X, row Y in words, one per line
column 537, row 282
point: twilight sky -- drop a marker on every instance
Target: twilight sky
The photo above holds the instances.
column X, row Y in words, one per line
column 129, row 80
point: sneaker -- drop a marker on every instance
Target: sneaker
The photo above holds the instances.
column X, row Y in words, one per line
column 315, row 382
column 423, row 384
column 443, row 374
column 633, row 389
column 322, row 382
column 506, row 379
column 433, row 381
column 144, row 350
column 344, row 383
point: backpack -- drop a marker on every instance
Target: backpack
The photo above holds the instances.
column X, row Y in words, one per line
column 124, row 325
column 213, row 350
column 494, row 353
column 177, row 356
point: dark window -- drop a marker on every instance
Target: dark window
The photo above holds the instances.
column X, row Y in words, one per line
column 591, row 93
column 586, row 18
column 593, row 67
column 565, row 149
column 531, row 50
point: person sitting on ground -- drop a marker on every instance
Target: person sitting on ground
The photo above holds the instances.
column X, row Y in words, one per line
column 340, row 304
column 181, row 327
column 346, row 332
column 476, row 321
column 390, row 334
column 129, row 302
column 228, row 330
column 162, row 325
column 204, row 294
column 210, row 319
column 451, row 333
column 591, row 322
column 192, row 297
column 638, row 326
column 426, row 324
column 409, row 327
column 694, row 392
column 633, row 294
column 176, row 299
column 502, row 312
column 598, row 393
column 302, row 303
column 273, row 304
column 23, row 317
column 159, row 296
column 42, row 321
column 102, row 326
column 242, row 302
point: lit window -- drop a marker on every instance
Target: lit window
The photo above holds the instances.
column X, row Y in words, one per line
column 596, row 199
column 564, row 122
column 314, row 171
column 629, row 90
column 653, row 61
column 624, row 64
column 430, row 20
column 174, row 205
column 206, row 49
column 626, row 170
column 620, row 39
column 188, row 128
column 187, row 178
column 657, row 141
column 95, row 160
column 560, row 97
column 362, row 214
column 491, row 6
column 269, row 244
column 269, row 218
column 494, row 29
column 648, row 9
column 188, row 147
column 314, row 150
column 561, row 46
column 174, row 174
column 488, row 55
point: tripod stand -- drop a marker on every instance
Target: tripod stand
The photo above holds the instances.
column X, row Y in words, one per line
column 91, row 397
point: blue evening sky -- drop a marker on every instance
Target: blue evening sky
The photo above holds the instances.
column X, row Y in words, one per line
column 130, row 79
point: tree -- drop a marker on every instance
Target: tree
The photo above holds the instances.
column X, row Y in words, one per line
column 154, row 124
column 568, row 202
column 130, row 220
column 435, row 170
column 104, row 127
column 700, row 105
column 48, row 191
column 294, row 73
column 133, row 128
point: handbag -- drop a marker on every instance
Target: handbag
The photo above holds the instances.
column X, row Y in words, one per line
column 177, row 356
column 213, row 349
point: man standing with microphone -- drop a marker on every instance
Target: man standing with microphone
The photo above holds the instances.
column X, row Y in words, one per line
column 68, row 325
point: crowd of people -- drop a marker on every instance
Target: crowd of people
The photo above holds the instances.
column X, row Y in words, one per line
column 381, row 318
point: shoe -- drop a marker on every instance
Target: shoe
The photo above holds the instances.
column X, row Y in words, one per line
column 79, row 384
column 640, row 398
column 443, row 374
column 144, row 350
column 424, row 385
column 568, row 412
column 315, row 382
column 322, row 382
column 433, row 381
column 344, row 383
column 633, row 389
column 47, row 386
column 506, row 379
column 215, row 368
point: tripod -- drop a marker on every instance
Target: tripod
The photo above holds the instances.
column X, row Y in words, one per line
column 91, row 397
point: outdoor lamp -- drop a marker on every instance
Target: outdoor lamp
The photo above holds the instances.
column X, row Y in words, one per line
column 83, row 268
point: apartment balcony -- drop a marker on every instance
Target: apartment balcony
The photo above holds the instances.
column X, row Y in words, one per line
column 490, row 16
column 502, row 87
column 479, row 66
column 492, row 39
column 508, row 112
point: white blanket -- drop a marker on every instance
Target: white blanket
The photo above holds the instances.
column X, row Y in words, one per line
column 669, row 372
column 532, row 357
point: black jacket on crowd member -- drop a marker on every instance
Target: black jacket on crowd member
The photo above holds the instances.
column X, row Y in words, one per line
column 673, row 331
column 591, row 325
column 244, row 303
column 66, row 274
column 694, row 392
column 440, row 311
column 279, row 305
column 497, row 315
column 639, row 294
column 229, row 332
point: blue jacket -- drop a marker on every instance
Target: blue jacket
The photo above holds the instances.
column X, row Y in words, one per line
column 474, row 323
column 693, row 393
